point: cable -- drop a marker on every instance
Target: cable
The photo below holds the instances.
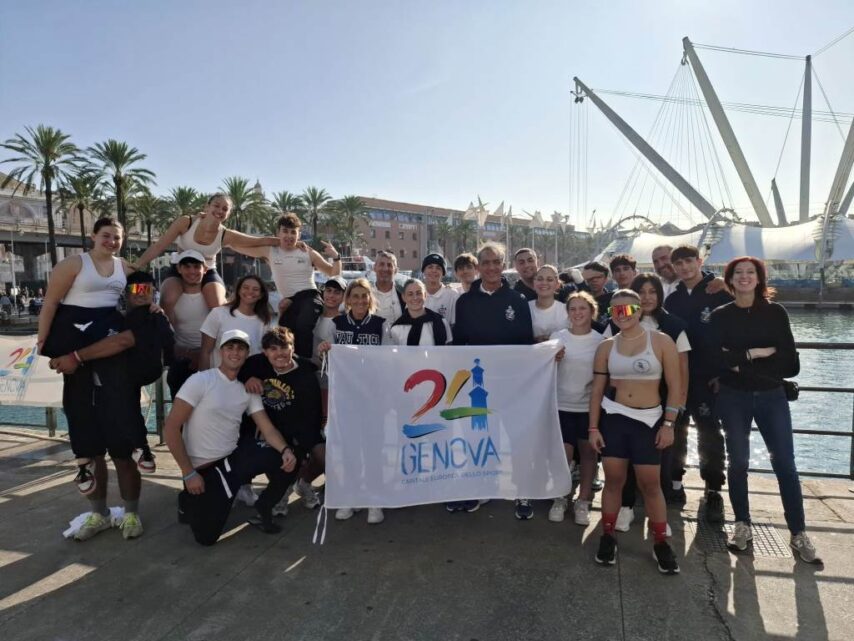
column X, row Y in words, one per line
column 749, row 52
column 827, row 100
column 833, row 42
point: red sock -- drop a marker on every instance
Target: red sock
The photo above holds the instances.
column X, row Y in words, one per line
column 659, row 531
column 609, row 521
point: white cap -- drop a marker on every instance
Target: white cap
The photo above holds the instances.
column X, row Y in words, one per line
column 192, row 254
column 234, row 335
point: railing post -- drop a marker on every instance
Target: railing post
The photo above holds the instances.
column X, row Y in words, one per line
column 851, row 459
column 159, row 408
column 50, row 421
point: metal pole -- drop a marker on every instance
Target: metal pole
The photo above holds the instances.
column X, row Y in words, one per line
column 851, row 459
column 806, row 141
column 159, row 405
column 778, row 204
column 50, row 420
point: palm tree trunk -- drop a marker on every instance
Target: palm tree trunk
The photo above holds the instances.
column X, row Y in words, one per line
column 122, row 214
column 82, row 228
column 51, row 232
column 148, row 229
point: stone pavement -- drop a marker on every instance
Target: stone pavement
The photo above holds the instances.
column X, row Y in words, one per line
column 422, row 574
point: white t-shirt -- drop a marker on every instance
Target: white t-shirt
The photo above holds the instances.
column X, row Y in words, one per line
column 218, row 405
column 220, row 321
column 398, row 334
column 443, row 302
column 668, row 288
column 324, row 330
column 292, row 270
column 190, row 312
column 548, row 321
column 575, row 371
column 388, row 304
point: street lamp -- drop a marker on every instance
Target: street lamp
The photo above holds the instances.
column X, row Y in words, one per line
column 12, row 232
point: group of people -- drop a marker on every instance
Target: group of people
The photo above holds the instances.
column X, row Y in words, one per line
column 249, row 398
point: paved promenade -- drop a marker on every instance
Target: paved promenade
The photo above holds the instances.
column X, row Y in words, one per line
column 423, row 574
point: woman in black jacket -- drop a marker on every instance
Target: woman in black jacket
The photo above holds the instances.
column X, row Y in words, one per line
column 758, row 352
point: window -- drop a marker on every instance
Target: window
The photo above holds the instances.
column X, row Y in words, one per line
column 414, row 235
column 373, row 233
column 403, row 253
column 387, row 233
column 400, row 235
column 415, row 253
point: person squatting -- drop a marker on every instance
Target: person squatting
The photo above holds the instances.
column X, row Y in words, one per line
column 250, row 396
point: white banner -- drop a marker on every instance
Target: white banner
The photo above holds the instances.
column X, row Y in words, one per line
column 25, row 378
column 415, row 425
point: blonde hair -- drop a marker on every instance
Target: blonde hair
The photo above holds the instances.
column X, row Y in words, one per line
column 364, row 284
column 587, row 298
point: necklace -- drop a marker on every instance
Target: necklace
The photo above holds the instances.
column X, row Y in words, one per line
column 632, row 338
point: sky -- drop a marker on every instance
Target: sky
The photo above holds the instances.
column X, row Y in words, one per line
column 425, row 102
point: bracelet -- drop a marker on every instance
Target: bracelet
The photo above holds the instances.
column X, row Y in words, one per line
column 667, row 424
column 77, row 356
column 189, row 476
column 337, row 259
column 285, row 449
column 592, row 429
column 670, row 408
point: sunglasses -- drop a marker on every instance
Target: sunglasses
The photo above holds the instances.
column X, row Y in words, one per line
column 140, row 288
column 623, row 311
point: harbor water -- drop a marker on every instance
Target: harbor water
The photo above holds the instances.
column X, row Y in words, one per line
column 814, row 410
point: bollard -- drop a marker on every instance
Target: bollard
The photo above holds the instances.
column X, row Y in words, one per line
column 50, row 420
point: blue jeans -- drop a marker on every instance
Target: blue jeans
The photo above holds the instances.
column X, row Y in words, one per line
column 737, row 409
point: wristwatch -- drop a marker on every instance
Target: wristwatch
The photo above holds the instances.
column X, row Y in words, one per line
column 336, row 259
column 667, row 424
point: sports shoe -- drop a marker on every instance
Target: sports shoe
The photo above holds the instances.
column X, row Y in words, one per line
column 677, row 497
column 801, row 544
column 663, row 554
column 668, row 532
column 93, row 524
column 597, row 482
column 131, row 526
column 375, row 515
column 741, row 535
column 524, row 510
column 307, row 493
column 246, row 495
column 344, row 513
column 625, row 518
column 264, row 520
column 144, row 461
column 558, row 509
column 582, row 512
column 473, row 506
column 714, row 507
column 85, row 479
column 281, row 508
column 607, row 553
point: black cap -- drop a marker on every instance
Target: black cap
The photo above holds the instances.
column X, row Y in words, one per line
column 434, row 259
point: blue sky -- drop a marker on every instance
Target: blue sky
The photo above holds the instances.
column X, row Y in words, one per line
column 427, row 102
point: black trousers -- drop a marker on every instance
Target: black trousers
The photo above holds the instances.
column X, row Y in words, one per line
column 301, row 317
column 208, row 512
column 711, row 449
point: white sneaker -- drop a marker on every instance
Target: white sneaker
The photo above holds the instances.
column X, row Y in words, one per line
column 558, row 509
column 582, row 512
column 801, row 544
column 307, row 493
column 375, row 515
column 246, row 495
column 344, row 513
column 668, row 533
column 93, row 524
column 130, row 525
column 281, row 508
column 741, row 535
column 625, row 517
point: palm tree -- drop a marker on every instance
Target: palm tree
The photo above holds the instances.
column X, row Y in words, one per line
column 116, row 158
column 463, row 230
column 247, row 203
column 184, row 201
column 81, row 192
column 345, row 215
column 150, row 210
column 286, row 201
column 444, row 232
column 314, row 200
column 47, row 157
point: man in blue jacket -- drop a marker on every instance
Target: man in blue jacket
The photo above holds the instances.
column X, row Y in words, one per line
column 692, row 302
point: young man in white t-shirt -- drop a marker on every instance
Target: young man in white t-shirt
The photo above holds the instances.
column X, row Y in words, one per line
column 389, row 300
column 440, row 298
column 202, row 433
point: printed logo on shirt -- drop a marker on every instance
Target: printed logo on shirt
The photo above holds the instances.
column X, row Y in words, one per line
column 346, row 338
column 277, row 395
column 510, row 313
column 641, row 366
column 706, row 315
column 442, row 311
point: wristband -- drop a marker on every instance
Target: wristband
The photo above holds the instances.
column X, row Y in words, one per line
column 337, row 259
column 670, row 408
column 592, row 429
column 189, row 476
column 77, row 356
column 667, row 424
column 285, row 449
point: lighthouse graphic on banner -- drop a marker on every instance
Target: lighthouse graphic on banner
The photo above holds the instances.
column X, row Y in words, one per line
column 478, row 396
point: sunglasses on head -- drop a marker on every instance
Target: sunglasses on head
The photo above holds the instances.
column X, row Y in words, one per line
column 140, row 288
column 623, row 311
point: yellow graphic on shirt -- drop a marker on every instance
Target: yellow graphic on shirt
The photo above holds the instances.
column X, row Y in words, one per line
column 277, row 395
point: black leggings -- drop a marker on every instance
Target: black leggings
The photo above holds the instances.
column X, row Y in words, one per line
column 301, row 317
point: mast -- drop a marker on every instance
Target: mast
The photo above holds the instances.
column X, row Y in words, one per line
column 778, row 204
column 728, row 136
column 676, row 179
column 806, row 141
column 843, row 172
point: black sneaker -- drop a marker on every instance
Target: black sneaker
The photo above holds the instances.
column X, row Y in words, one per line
column 264, row 520
column 524, row 509
column 677, row 497
column 663, row 554
column 714, row 507
column 85, row 479
column 454, row 506
column 607, row 554
column 470, row 506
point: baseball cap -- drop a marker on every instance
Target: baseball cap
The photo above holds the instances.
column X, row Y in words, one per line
column 434, row 259
column 234, row 335
column 190, row 254
column 336, row 282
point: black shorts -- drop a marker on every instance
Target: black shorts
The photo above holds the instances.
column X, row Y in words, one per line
column 573, row 426
column 630, row 439
column 96, row 418
column 211, row 275
column 76, row 327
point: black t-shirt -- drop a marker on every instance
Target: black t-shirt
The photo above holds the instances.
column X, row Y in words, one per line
column 291, row 400
column 154, row 344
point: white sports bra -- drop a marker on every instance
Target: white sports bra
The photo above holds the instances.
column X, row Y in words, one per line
column 640, row 367
column 187, row 241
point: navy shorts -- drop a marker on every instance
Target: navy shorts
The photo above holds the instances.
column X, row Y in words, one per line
column 573, row 426
column 630, row 439
column 211, row 275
